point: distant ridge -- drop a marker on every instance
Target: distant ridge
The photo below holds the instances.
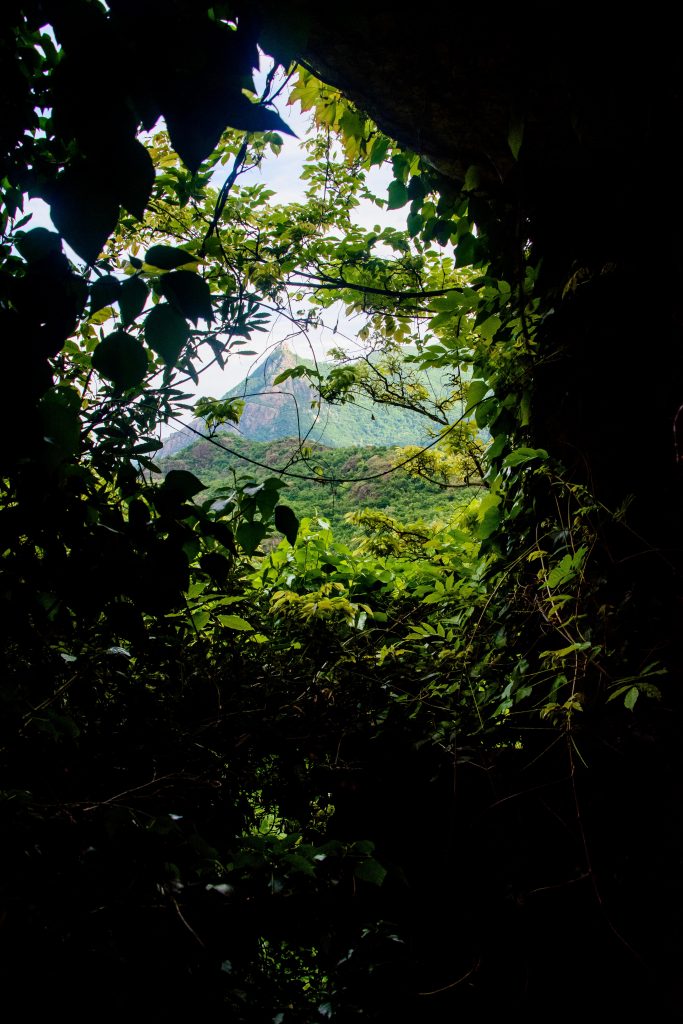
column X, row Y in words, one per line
column 290, row 409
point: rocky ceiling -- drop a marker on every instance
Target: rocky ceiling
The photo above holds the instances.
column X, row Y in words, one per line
column 450, row 81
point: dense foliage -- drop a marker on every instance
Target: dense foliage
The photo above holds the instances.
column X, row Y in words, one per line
column 246, row 766
column 367, row 479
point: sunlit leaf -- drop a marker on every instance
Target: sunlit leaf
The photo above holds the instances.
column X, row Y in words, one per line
column 522, row 455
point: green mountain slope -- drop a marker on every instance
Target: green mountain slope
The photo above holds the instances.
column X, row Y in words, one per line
column 368, row 485
column 292, row 409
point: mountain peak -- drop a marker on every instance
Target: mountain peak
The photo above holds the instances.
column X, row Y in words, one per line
column 281, row 357
column 293, row 409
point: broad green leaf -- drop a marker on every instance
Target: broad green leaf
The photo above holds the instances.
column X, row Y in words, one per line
column 134, row 176
column 564, row 652
column 183, row 483
column 466, row 251
column 486, row 411
column 152, row 445
column 167, row 257
column 414, row 224
column 188, row 293
column 631, row 698
column 416, row 187
column 39, row 243
column 443, row 230
column 166, row 333
column 195, row 127
column 298, row 863
column 200, row 619
column 398, row 195
column 370, row 870
column 293, row 371
column 234, row 622
column 521, row 455
column 379, row 149
column 560, row 573
column 516, row 135
column 489, row 523
column 250, row 535
column 121, row 359
column 60, row 419
column 488, row 328
column 472, row 178
column 497, row 446
column 132, row 299
column 84, row 207
column 475, row 393
column 103, row 292
column 286, row 522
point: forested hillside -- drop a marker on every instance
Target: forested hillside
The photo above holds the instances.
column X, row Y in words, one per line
column 332, row 483
column 424, row 764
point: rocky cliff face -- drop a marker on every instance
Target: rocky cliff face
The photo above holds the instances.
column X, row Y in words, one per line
column 293, row 409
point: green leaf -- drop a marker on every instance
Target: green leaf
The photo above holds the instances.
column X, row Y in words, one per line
column 631, row 698
column 515, row 135
column 121, row 359
column 443, row 230
column 234, row 622
column 39, row 243
column 132, row 299
column 188, row 293
column 103, row 292
column 488, row 328
column 414, row 224
column 521, row 455
column 370, row 870
column 486, row 411
column 167, row 257
column 83, row 209
column 466, row 252
column 60, row 419
column 250, row 535
column 489, row 523
column 195, row 128
column 379, row 149
column 286, row 522
column 166, row 333
column 495, row 449
column 293, row 371
column 475, row 393
column 183, row 484
column 472, row 178
column 298, row 863
column 134, row 172
column 398, row 195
